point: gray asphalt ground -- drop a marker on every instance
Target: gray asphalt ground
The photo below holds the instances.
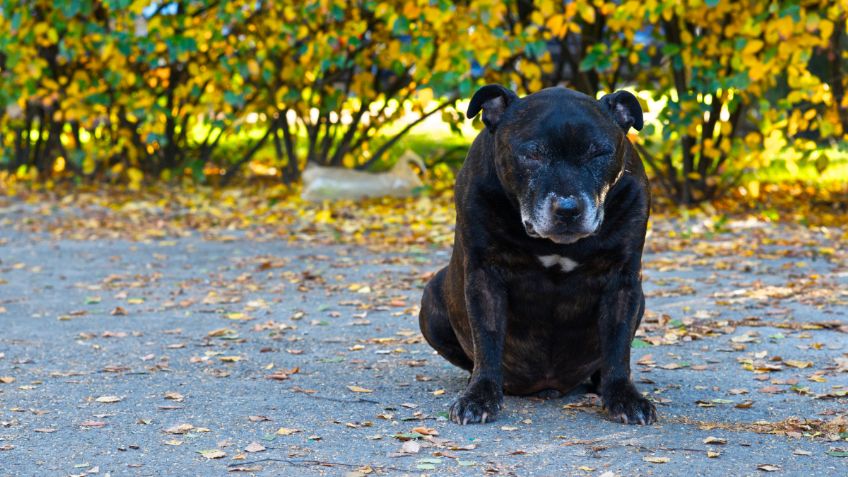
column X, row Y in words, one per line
column 180, row 356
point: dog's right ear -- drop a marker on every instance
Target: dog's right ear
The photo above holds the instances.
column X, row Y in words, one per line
column 493, row 99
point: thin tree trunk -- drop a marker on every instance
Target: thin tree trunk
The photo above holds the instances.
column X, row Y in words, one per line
column 836, row 75
column 232, row 171
column 687, row 142
column 707, row 133
column 292, row 173
column 667, row 186
column 37, row 158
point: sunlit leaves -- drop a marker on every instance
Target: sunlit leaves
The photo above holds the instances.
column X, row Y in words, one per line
column 134, row 90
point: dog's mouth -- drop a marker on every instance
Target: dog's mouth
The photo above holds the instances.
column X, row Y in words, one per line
column 567, row 239
column 560, row 237
column 563, row 219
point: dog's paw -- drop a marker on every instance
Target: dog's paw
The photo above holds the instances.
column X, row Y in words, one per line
column 480, row 402
column 624, row 404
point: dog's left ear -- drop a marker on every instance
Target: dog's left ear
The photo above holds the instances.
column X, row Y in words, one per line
column 625, row 109
column 493, row 99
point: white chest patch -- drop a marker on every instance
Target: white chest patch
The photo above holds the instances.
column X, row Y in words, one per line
column 565, row 263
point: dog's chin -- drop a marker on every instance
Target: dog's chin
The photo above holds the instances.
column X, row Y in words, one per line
column 568, row 236
column 566, row 239
column 560, row 234
column 561, row 239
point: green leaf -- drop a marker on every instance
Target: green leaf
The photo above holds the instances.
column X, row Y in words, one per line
column 637, row 343
column 822, row 162
column 536, row 49
column 670, row 49
column 676, row 323
column 235, row 100
column 407, row 436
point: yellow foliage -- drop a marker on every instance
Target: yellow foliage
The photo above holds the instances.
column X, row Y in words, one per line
column 130, row 91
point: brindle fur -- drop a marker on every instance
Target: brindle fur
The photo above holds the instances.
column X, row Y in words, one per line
column 521, row 327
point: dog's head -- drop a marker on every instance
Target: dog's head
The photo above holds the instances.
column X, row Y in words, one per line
column 558, row 152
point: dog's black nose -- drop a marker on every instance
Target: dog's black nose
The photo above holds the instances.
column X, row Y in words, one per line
column 567, row 208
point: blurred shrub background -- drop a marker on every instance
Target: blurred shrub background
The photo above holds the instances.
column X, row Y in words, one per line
column 135, row 92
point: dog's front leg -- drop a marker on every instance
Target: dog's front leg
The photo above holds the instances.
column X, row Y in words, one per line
column 621, row 308
column 485, row 299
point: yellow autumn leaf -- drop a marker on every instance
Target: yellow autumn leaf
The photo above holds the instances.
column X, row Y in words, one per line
column 797, row 364
column 358, row 389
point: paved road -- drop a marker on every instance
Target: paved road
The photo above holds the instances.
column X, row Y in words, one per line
column 180, row 356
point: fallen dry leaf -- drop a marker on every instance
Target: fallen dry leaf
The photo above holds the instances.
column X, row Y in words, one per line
column 92, row 424
column 174, row 396
column 358, row 389
column 282, row 374
column 109, row 399
column 212, row 453
column 220, row 332
column 798, row 364
column 426, row 431
column 254, row 447
column 179, row 429
column 410, row 447
column 245, row 468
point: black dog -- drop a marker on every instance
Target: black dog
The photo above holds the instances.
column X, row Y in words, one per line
column 544, row 288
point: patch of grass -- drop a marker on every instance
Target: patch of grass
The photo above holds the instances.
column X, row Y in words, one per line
column 435, row 147
column 782, row 171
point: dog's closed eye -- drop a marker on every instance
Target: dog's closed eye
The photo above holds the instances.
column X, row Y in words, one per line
column 531, row 153
column 598, row 150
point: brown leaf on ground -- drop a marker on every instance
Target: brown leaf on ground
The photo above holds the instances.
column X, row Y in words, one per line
column 212, row 453
column 179, row 429
column 254, row 447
